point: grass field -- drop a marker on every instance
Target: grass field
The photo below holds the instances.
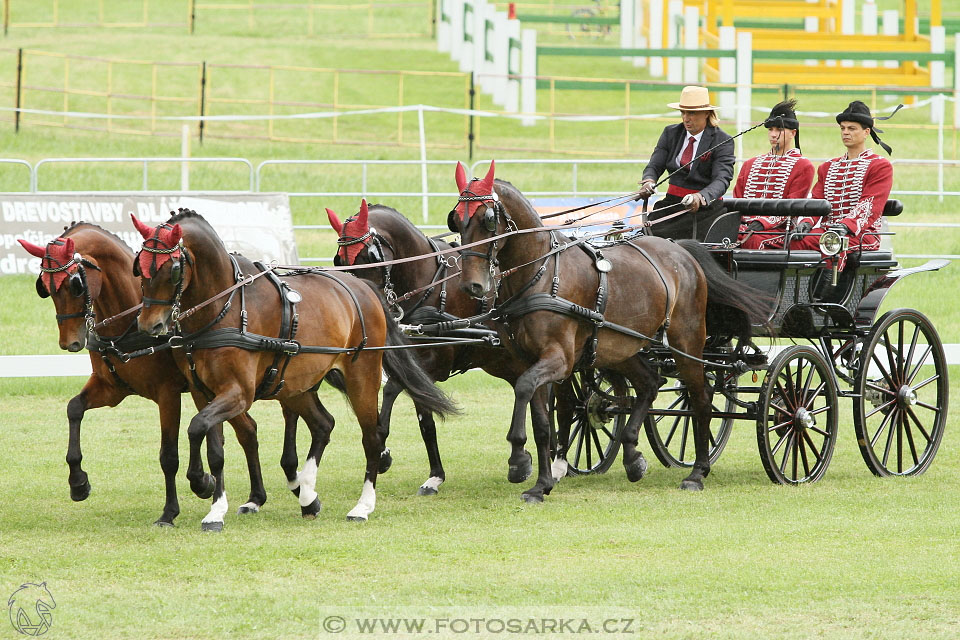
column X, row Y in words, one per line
column 852, row 556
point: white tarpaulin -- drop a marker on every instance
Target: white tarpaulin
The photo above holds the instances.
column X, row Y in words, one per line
column 258, row 225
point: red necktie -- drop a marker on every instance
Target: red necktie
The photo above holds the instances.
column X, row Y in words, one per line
column 687, row 154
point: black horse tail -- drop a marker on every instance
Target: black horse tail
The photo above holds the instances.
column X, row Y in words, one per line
column 733, row 307
column 403, row 366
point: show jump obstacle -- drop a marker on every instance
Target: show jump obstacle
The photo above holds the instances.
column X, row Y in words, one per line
column 732, row 42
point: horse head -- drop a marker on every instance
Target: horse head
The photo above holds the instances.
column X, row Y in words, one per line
column 479, row 215
column 164, row 266
column 73, row 282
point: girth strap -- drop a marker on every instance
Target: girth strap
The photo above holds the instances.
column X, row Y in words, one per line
column 288, row 331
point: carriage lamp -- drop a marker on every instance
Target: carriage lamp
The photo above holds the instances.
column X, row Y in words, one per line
column 832, row 243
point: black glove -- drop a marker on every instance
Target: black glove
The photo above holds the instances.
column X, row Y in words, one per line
column 803, row 227
column 840, row 229
column 755, row 225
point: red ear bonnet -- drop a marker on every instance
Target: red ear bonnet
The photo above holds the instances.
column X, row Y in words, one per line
column 355, row 228
column 58, row 253
column 334, row 221
column 162, row 237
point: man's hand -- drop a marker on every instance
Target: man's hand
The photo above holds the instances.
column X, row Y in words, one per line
column 803, row 227
column 755, row 225
column 647, row 187
column 840, row 229
column 694, row 201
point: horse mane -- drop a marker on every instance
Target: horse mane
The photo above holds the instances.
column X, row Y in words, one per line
column 186, row 214
column 504, row 186
column 401, row 219
column 79, row 225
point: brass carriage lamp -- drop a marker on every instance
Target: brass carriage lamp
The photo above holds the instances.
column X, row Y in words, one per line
column 832, row 243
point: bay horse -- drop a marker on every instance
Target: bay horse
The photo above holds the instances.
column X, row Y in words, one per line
column 268, row 346
column 377, row 234
column 652, row 285
column 87, row 272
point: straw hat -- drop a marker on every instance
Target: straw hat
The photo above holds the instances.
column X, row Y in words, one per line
column 693, row 99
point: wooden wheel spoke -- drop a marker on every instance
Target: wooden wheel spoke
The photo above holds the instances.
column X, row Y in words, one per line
column 781, row 410
column 900, row 366
column 924, row 383
column 883, row 371
column 919, row 426
column 894, row 427
column 782, row 425
column 806, row 385
column 607, row 431
column 788, row 377
column 896, row 373
column 814, row 449
column 786, row 453
column 596, row 441
column 673, row 431
column 803, row 455
column 783, row 438
column 683, row 437
column 576, row 459
column 883, row 424
column 880, row 408
column 809, row 400
column 820, row 431
column 816, row 412
column 928, row 406
column 916, row 369
column 909, row 433
column 886, row 390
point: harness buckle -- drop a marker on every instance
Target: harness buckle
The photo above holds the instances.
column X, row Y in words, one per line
column 175, row 342
column 291, row 347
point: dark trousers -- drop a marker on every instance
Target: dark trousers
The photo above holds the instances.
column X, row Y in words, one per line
column 693, row 224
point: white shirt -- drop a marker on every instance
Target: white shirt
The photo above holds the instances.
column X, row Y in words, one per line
column 686, row 141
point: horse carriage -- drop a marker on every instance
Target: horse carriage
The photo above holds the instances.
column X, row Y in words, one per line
column 623, row 316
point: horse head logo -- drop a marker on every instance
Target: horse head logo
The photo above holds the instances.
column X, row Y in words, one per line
column 30, row 607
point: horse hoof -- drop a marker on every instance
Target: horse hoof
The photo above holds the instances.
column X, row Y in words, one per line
column 356, row 518
column 532, row 498
column 310, row 511
column 692, row 485
column 205, row 490
column 636, row 469
column 250, row 507
column 386, row 461
column 81, row 493
column 517, row 473
column 427, row 491
column 164, row 524
column 215, row 527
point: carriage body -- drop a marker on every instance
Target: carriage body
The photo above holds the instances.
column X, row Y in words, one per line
column 892, row 369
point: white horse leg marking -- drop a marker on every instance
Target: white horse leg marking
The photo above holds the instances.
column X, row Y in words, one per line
column 308, row 482
column 432, row 484
column 559, row 469
column 217, row 510
column 293, row 484
column 366, row 504
column 249, row 507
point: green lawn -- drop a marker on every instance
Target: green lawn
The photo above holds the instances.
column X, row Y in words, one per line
column 850, row 557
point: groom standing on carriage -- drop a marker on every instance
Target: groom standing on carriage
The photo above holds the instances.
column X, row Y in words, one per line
column 699, row 158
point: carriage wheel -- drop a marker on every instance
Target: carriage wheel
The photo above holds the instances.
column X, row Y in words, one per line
column 671, row 436
column 900, row 407
column 598, row 419
column 797, row 423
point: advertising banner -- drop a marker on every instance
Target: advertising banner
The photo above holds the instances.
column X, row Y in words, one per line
column 258, row 225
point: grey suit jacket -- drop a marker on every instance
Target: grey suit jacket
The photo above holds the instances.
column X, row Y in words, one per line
column 710, row 175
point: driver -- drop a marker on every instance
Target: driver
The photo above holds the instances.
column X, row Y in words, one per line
column 700, row 166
